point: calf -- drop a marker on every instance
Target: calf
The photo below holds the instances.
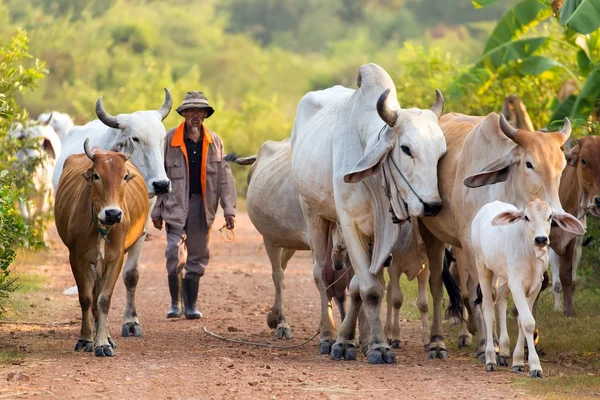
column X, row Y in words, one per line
column 99, row 218
column 511, row 246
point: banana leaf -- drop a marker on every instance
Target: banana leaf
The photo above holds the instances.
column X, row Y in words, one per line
column 582, row 16
column 483, row 3
column 510, row 51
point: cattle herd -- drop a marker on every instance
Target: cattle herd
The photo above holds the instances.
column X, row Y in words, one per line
column 365, row 185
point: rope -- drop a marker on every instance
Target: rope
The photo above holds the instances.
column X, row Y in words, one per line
column 273, row 346
column 227, row 236
column 103, row 232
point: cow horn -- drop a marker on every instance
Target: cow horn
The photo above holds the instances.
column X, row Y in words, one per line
column 438, row 107
column 165, row 109
column 86, row 148
column 45, row 123
column 128, row 148
column 105, row 117
column 566, row 129
column 507, row 129
column 387, row 115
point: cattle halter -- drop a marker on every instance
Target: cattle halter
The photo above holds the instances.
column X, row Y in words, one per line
column 103, row 232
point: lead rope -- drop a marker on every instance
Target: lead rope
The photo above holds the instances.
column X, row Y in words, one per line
column 273, row 346
column 229, row 234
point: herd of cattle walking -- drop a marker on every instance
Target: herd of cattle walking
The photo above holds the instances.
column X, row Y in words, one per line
column 364, row 184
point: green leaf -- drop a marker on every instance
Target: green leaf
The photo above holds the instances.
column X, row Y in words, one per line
column 563, row 110
column 517, row 21
column 536, row 65
column 3, row 173
column 583, row 62
column 510, row 51
column 582, row 16
column 483, row 3
column 588, row 97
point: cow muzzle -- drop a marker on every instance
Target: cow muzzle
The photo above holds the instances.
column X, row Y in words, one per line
column 161, row 187
column 111, row 216
column 432, row 209
column 541, row 241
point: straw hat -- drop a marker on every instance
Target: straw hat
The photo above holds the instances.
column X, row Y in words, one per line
column 195, row 100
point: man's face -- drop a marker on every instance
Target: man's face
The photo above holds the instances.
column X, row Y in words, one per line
column 195, row 116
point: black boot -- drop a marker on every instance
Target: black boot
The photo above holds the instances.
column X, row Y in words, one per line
column 190, row 295
column 175, row 290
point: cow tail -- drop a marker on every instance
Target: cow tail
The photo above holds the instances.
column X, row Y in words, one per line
column 456, row 302
column 232, row 157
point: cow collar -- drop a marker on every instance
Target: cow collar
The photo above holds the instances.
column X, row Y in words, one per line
column 103, row 232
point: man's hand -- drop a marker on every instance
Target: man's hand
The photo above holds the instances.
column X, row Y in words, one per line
column 230, row 221
column 157, row 222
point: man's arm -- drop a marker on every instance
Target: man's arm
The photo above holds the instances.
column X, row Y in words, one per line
column 227, row 191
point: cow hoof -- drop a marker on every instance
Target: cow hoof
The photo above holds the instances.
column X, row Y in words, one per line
column 536, row 373
column 112, row 343
column 346, row 351
column 503, row 361
column 284, row 330
column 381, row 355
column 131, row 329
column 481, row 357
column 438, row 352
column 557, row 287
column 395, row 344
column 86, row 345
column 104, row 351
column 490, row 367
column 272, row 320
column 464, row 341
column 518, row 368
column 325, row 346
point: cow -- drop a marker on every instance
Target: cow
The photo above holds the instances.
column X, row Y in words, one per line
column 109, row 132
column 500, row 226
column 516, row 113
column 488, row 160
column 274, row 208
column 61, row 122
column 41, row 145
column 579, row 192
column 350, row 150
column 100, row 212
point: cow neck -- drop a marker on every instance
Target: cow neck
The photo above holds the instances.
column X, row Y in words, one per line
column 102, row 231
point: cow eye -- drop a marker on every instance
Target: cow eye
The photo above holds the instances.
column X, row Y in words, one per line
column 96, row 177
column 406, row 150
column 126, row 177
column 550, row 218
column 529, row 165
column 135, row 139
column 584, row 163
column 526, row 218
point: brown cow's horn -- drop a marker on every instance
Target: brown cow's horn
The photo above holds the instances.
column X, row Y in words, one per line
column 438, row 107
column 387, row 115
column 165, row 109
column 45, row 123
column 105, row 117
column 566, row 129
column 86, row 148
column 507, row 129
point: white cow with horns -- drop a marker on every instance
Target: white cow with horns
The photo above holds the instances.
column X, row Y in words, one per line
column 357, row 156
column 112, row 133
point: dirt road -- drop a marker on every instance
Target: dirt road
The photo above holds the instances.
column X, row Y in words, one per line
column 177, row 360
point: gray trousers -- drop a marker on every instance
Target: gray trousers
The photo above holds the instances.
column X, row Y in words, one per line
column 189, row 247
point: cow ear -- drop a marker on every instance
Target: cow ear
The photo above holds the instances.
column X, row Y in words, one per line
column 568, row 223
column 572, row 155
column 497, row 171
column 507, row 217
column 87, row 175
column 371, row 161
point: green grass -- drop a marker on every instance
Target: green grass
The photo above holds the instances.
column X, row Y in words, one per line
column 27, row 283
column 563, row 387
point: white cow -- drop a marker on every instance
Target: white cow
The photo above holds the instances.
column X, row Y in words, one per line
column 47, row 149
column 274, row 208
column 499, row 227
column 61, row 122
column 146, row 130
column 338, row 156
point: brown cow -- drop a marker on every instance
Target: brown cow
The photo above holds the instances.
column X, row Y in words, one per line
column 99, row 218
column 579, row 192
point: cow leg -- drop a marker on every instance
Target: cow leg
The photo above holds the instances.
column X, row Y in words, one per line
column 566, row 278
column 344, row 346
column 131, row 323
column 556, row 284
column 105, row 286
column 527, row 326
column 279, row 258
column 435, row 256
column 465, row 338
column 423, row 304
column 84, row 278
column 485, row 281
column 394, row 300
column 501, row 307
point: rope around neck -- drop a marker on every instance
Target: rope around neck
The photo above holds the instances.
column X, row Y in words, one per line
column 103, row 232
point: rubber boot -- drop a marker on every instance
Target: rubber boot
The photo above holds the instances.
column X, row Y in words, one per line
column 175, row 290
column 190, row 295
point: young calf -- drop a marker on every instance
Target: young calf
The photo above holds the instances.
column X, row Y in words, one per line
column 511, row 245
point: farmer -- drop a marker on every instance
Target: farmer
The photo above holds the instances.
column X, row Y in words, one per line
column 199, row 178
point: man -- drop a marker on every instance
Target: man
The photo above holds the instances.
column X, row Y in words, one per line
column 199, row 178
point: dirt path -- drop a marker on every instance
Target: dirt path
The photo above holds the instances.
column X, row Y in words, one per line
column 177, row 360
